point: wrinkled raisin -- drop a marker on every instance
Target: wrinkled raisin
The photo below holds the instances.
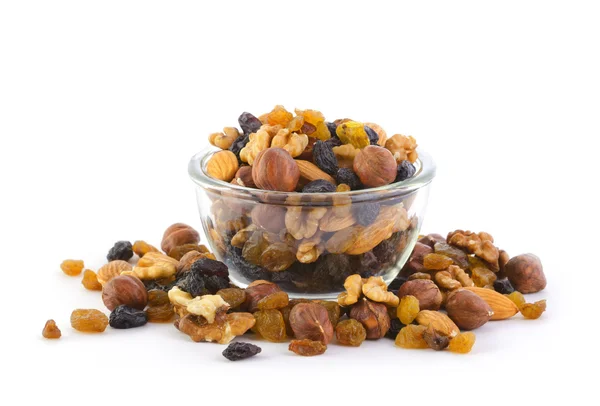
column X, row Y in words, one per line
column 517, row 298
column 503, row 286
column 434, row 339
column 408, row 309
column 277, row 257
column 411, row 337
column 458, row 256
column 254, row 247
column 347, row 176
column 72, row 267
column 179, row 251
column 324, row 158
column 160, row 313
column 366, row 213
column 333, row 267
column 307, row 348
column 276, row 300
column 352, row 132
column 270, row 325
column 395, row 327
column 250, row 271
column 533, row 310
column 333, row 142
column 51, row 330
column 239, row 143
column 90, row 280
column 234, row 297
column 89, row 320
column 122, row 250
column 334, row 311
column 331, row 127
column 483, row 277
column 366, row 264
column 373, row 136
column 405, row 170
column 141, row 248
column 319, row 186
column 239, row 351
column 249, row 122
column 436, row 262
column 279, row 116
column 127, row 317
column 350, row 332
column 462, row 343
column 210, row 267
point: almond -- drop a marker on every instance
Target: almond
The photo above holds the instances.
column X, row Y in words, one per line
column 467, row 310
column 439, row 321
column 331, row 222
column 310, row 172
column 502, row 306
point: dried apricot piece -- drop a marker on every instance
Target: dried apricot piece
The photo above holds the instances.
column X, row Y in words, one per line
column 89, row 320
column 517, row 298
column 411, row 337
column 90, row 280
column 307, row 348
column 462, row 343
column 72, row 267
column 408, row 309
column 51, row 330
column 533, row 310
column 436, row 262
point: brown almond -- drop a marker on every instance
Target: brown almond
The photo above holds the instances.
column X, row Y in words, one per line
column 467, row 310
column 502, row 306
column 439, row 321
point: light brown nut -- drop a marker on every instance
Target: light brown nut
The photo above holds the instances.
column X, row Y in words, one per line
column 222, row 166
column 331, row 222
column 419, row 275
column 373, row 316
column 207, row 306
column 225, row 139
column 256, row 291
column 440, row 322
column 345, row 155
column 124, row 290
column 275, row 169
column 375, row 166
column 460, row 275
column 429, row 295
column 311, row 321
column 112, row 270
column 240, row 238
column 353, row 285
column 178, row 234
column 309, row 249
column 376, row 290
column 222, row 331
column 380, row 132
column 310, row 172
column 141, row 248
column 481, row 245
column 343, row 240
column 525, row 273
column 444, row 280
column 243, row 177
column 155, row 265
column 303, row 222
column 291, row 142
column 402, row 147
column 468, row 310
column 258, row 142
column 502, row 306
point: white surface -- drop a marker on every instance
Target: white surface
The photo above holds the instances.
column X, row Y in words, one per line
column 102, row 104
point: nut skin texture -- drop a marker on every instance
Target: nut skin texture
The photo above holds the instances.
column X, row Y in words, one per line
column 375, row 166
column 468, row 310
column 525, row 273
column 255, row 293
column 429, row 295
column 373, row 316
column 178, row 234
column 275, row 169
column 243, row 177
column 415, row 262
column 222, row 165
column 311, row 321
column 124, row 290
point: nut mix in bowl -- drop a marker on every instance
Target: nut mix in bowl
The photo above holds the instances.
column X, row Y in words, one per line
column 305, row 203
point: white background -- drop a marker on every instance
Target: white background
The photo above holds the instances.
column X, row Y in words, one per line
column 103, row 103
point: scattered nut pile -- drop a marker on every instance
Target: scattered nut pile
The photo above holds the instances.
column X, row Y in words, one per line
column 449, row 287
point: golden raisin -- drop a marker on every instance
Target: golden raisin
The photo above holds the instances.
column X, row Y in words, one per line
column 483, row 277
column 276, row 300
column 51, row 330
column 270, row 325
column 342, row 187
column 353, row 132
column 321, row 132
column 307, row 348
column 434, row 339
column 462, row 343
column 533, row 310
column 160, row 313
column 157, row 297
column 277, row 257
column 411, row 337
column 408, row 309
column 436, row 262
column 233, row 296
column 72, row 267
column 279, row 115
column 333, row 310
column 141, row 248
column 350, row 332
column 89, row 320
column 517, row 298
column 90, row 280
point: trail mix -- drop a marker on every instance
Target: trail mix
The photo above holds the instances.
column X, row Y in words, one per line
column 309, row 242
column 448, row 287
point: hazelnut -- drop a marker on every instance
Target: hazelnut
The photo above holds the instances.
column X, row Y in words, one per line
column 415, row 262
column 269, row 217
column 275, row 169
column 178, row 234
column 311, row 321
column 373, row 316
column 375, row 166
column 243, row 177
column 257, row 291
column 467, row 310
column 429, row 295
column 525, row 273
column 125, row 290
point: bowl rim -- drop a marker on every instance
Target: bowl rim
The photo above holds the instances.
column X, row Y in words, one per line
column 425, row 172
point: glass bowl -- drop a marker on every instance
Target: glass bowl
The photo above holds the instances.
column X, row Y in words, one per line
column 308, row 243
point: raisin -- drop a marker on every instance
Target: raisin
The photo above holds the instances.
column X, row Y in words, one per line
column 503, row 286
column 122, row 250
column 248, row 270
column 270, row 325
column 276, row 300
column 179, row 251
column 51, row 330
column 332, row 127
column 483, row 277
column 324, row 158
column 352, row 132
column 333, row 142
column 408, row 309
column 210, row 267
column 160, row 313
column 533, row 310
column 395, row 327
column 239, row 351
column 234, row 297
column 436, row 262
column 434, row 339
column 141, row 248
column 157, row 285
column 373, row 136
column 124, row 317
column 411, row 337
column 89, row 320
column 366, row 264
column 307, row 348
column 319, row 186
column 334, row 267
column 157, row 297
column 462, row 343
column 458, row 256
column 334, row 311
column 249, row 122
column 72, row 267
column 90, row 280
column 350, row 332
column 347, row 176
column 307, row 128
column 238, row 144
column 386, row 251
column 517, row 298
column 366, row 213
column 405, row 170
column 254, row 247
column 279, row 116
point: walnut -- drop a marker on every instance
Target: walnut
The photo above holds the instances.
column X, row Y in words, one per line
column 419, row 275
column 218, row 241
column 222, row 331
column 293, row 143
column 302, row 222
column 345, row 155
column 481, row 245
column 240, row 238
column 259, row 141
column 225, row 139
column 353, row 285
column 155, row 265
column 207, row 306
column 444, row 280
column 309, row 249
column 460, row 275
column 376, row 290
column 402, row 147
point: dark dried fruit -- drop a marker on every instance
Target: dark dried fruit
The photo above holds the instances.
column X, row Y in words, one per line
column 239, row 143
column 397, row 283
column 366, row 213
column 366, row 264
column 206, row 276
column 349, row 177
column 270, row 325
column 333, row 142
column 434, row 339
column 249, row 271
column 324, row 158
column 210, row 267
column 331, row 127
column 307, row 348
column 249, row 122
column 457, row 255
column 350, row 332
column 395, row 327
column 373, row 136
column 319, row 186
column 127, row 317
column 122, row 250
column 503, row 286
column 405, row 170
column 51, row 330
column 239, row 351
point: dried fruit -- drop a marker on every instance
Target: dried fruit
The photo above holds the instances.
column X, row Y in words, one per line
column 239, row 144
column 125, row 290
column 141, row 248
column 503, row 286
column 353, row 132
column 375, row 166
column 178, row 252
column 307, row 348
column 275, row 300
column 366, row 213
column 533, row 310
column 350, row 332
column 319, row 186
column 334, row 310
column 51, row 330
column 224, row 139
column 525, row 273
column 160, row 309
column 373, row 316
column 270, row 325
column 402, row 147
column 324, row 158
column 239, row 351
column 411, row 337
column 483, row 277
column 122, row 250
column 408, row 309
column 468, row 310
column 72, row 267
column 124, row 317
column 90, row 280
column 311, row 321
column 381, row 134
column 434, row 339
column 348, row 177
column 234, row 297
column 89, row 320
column 415, row 262
column 112, row 270
column 395, row 327
column 258, row 290
column 425, row 291
column 518, row 299
column 178, row 234
column 462, row 343
column 222, row 165
column 275, row 169
column 501, row 305
column 436, row 262
column 278, row 116
column 249, row 123
column 405, row 171
column 442, row 323
column 206, row 276
column 372, row 135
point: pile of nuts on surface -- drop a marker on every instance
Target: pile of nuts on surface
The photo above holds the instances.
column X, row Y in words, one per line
column 448, row 287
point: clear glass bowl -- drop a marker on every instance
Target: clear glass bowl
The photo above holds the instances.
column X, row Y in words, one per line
column 309, row 243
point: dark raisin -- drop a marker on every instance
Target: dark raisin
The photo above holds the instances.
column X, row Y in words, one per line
column 193, row 284
column 249, row 122
column 248, row 270
column 366, row 264
column 239, row 143
column 332, row 127
column 209, row 267
column 215, row 283
column 127, row 317
column 324, row 158
column 396, row 283
column 347, row 176
column 155, row 285
column 385, row 251
column 319, row 186
column 405, row 170
column 366, row 213
column 122, row 250
column 395, row 327
column 335, row 267
column 238, row 351
column 373, row 136
column 503, row 286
